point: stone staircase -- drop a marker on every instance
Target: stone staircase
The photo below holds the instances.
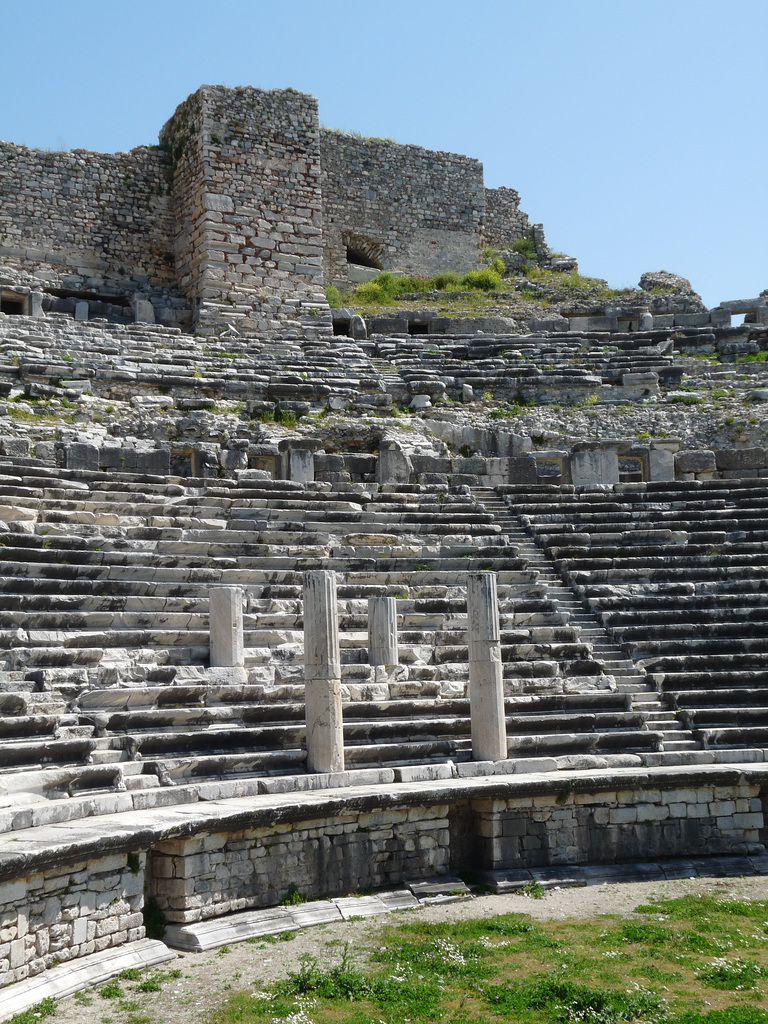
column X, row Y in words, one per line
column 629, row 678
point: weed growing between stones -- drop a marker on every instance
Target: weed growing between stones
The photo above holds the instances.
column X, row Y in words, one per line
column 693, row 960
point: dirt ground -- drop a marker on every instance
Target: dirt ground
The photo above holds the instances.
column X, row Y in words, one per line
column 208, row 978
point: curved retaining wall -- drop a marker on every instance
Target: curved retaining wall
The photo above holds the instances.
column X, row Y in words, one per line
column 77, row 887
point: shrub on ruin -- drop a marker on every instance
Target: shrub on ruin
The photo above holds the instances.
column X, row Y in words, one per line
column 370, row 291
column 484, row 280
column 449, row 280
column 525, row 246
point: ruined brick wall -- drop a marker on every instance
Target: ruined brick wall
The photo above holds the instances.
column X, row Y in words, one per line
column 90, row 223
column 408, row 208
column 504, row 220
column 246, row 171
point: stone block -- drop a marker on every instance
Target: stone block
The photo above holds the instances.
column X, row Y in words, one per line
column 701, row 461
column 691, row 320
column 661, row 464
column 219, row 203
column 78, row 456
column 590, row 466
column 740, row 458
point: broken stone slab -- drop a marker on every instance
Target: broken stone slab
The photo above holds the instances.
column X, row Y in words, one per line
column 84, row 972
column 448, row 886
column 204, row 935
column 351, row 907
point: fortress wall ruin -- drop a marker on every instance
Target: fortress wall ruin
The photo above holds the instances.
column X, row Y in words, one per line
column 242, row 213
column 504, row 220
column 87, row 222
column 246, row 182
column 403, row 207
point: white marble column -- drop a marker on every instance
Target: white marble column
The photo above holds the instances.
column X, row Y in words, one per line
column 382, row 631
column 486, row 688
column 322, row 674
column 225, row 608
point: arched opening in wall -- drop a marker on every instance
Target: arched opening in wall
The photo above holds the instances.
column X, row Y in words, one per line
column 362, row 251
column 12, row 305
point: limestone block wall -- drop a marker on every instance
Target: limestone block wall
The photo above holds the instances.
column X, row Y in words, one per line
column 642, row 822
column 246, row 181
column 69, row 911
column 504, row 220
column 90, row 223
column 209, row 875
column 403, row 207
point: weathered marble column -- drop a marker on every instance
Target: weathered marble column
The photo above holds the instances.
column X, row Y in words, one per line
column 486, row 688
column 382, row 631
column 225, row 610
column 322, row 674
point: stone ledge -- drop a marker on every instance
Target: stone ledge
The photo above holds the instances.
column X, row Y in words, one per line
column 82, row 973
column 28, row 850
column 47, row 845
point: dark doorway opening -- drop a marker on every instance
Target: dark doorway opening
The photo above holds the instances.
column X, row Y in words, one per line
column 341, row 327
column 418, row 327
column 13, row 307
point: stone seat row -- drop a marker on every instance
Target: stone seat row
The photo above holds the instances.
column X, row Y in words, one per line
column 691, row 612
column 175, row 745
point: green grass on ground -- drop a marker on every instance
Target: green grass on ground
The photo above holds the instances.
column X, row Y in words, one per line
column 692, row 960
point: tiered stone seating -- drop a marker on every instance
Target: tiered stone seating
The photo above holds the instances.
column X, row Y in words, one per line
column 104, row 356
column 529, row 365
column 678, row 574
column 103, row 610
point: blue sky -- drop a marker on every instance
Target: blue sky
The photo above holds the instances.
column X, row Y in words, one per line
column 634, row 131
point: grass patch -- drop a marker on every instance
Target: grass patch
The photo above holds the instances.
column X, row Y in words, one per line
column 35, row 1013
column 385, row 288
column 693, row 960
column 686, row 400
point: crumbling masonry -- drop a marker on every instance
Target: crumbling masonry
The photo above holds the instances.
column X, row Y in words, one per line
column 242, row 213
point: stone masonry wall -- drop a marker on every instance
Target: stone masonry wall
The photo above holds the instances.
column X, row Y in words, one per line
column 504, row 220
column 620, row 825
column 206, row 876
column 246, row 166
column 89, row 223
column 407, row 208
column 69, row 911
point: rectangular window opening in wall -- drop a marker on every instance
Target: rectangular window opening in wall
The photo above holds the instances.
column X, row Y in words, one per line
column 418, row 327
column 12, row 305
column 627, row 325
column 341, row 327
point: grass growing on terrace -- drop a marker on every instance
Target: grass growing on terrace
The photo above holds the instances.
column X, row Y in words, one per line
column 384, row 289
column 692, row 960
